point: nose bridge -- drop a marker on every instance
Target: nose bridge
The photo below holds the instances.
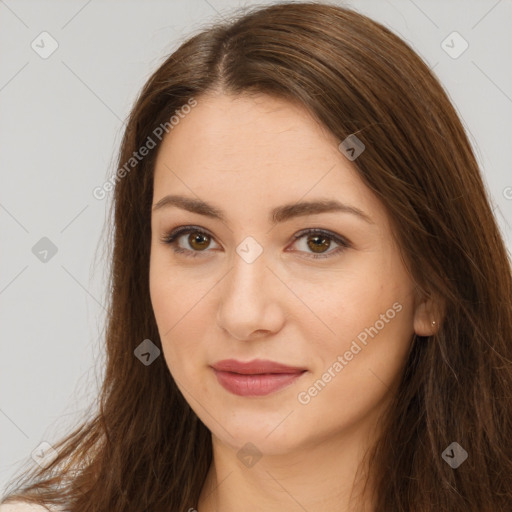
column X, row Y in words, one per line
column 249, row 270
column 247, row 302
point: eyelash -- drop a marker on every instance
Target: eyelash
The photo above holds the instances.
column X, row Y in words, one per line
column 172, row 238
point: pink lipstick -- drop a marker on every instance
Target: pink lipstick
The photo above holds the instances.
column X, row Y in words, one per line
column 255, row 378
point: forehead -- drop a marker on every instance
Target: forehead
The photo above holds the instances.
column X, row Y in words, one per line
column 255, row 150
column 237, row 130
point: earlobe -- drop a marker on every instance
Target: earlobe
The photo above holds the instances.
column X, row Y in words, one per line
column 426, row 318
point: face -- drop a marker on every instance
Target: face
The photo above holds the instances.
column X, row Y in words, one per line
column 324, row 292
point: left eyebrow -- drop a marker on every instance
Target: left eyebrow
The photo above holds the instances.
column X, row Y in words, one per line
column 277, row 215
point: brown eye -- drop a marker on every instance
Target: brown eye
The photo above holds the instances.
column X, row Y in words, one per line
column 198, row 240
column 318, row 243
column 316, row 246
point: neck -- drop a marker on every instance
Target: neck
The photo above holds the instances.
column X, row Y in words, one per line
column 322, row 475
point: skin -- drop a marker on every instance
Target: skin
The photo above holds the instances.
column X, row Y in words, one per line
column 247, row 155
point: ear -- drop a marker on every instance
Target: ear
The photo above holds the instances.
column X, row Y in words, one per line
column 427, row 315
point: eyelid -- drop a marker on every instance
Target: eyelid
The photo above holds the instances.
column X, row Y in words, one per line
column 171, row 238
column 342, row 242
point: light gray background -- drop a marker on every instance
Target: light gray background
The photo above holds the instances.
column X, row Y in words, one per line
column 61, row 120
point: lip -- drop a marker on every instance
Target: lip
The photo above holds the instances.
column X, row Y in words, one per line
column 254, row 367
column 255, row 378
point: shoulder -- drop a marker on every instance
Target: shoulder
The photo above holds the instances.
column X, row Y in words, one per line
column 25, row 506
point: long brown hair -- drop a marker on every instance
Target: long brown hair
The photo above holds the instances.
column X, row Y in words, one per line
column 143, row 448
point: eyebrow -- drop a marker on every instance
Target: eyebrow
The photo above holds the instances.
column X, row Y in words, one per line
column 277, row 215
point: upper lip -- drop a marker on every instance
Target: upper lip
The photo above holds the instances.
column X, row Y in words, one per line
column 254, row 367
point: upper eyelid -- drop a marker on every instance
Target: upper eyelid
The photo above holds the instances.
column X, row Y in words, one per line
column 180, row 231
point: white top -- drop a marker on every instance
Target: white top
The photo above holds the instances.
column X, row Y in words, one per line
column 25, row 506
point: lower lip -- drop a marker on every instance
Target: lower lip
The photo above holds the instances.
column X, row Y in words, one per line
column 255, row 385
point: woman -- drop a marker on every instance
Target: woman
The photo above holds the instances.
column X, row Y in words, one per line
column 311, row 299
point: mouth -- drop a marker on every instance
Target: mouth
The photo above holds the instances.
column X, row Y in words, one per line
column 255, row 378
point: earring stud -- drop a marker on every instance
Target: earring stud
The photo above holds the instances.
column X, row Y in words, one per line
column 433, row 323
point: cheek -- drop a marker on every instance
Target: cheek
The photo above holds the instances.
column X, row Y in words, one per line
column 178, row 305
column 354, row 373
column 179, row 301
column 173, row 294
column 370, row 327
column 354, row 301
column 369, row 313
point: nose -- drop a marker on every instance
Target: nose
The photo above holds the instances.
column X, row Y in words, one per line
column 251, row 302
